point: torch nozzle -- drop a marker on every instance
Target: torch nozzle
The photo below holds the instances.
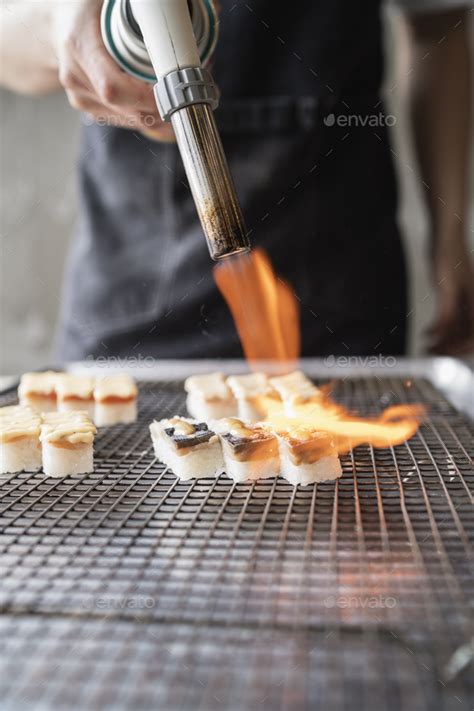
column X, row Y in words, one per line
column 210, row 181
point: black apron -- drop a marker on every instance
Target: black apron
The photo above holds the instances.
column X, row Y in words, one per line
column 306, row 139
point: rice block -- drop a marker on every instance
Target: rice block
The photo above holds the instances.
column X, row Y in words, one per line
column 209, row 397
column 67, row 440
column 188, row 447
column 307, row 457
column 20, row 448
column 38, row 390
column 250, row 452
column 115, row 400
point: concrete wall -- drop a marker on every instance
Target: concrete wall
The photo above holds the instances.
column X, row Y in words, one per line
column 37, row 210
column 38, row 207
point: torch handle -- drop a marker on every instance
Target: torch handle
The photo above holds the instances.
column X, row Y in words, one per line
column 185, row 95
column 168, row 34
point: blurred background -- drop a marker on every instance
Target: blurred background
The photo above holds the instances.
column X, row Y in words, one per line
column 38, row 207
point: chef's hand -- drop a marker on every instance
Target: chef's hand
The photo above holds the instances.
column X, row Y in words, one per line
column 453, row 275
column 92, row 80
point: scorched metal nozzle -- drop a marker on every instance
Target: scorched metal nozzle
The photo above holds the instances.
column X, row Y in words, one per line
column 210, row 181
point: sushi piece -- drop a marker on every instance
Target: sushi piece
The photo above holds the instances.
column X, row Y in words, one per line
column 20, row 448
column 247, row 390
column 209, row 397
column 38, row 390
column 67, row 440
column 75, row 392
column 188, row 447
column 250, row 452
column 308, row 456
column 115, row 400
column 294, row 388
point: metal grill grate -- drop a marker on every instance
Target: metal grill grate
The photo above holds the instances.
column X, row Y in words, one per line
column 234, row 595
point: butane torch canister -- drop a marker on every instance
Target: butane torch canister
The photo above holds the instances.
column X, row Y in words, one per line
column 168, row 42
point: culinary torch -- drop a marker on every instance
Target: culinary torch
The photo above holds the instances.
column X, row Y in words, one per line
column 168, row 42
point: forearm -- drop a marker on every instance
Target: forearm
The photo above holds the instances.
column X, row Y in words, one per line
column 437, row 82
column 28, row 61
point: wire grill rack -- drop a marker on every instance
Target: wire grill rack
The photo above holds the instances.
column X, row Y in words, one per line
column 128, row 588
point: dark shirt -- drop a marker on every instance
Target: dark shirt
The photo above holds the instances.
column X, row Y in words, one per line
column 306, row 139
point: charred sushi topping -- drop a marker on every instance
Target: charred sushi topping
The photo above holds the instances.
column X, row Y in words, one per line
column 235, row 439
column 187, row 434
column 247, row 442
column 234, row 431
column 307, row 447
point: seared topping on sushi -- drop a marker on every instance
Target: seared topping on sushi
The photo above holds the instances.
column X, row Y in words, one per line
column 235, row 431
column 208, row 397
column 38, row 390
column 247, row 442
column 294, row 387
column 187, row 434
column 249, row 386
column 188, row 447
column 80, row 387
column 211, row 387
column 248, row 391
column 115, row 388
column 182, row 426
column 306, row 447
column 234, row 427
column 43, row 384
column 307, row 456
column 71, row 427
column 17, row 422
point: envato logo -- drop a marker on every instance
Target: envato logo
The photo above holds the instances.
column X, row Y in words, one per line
column 372, row 602
column 133, row 602
column 376, row 361
column 360, row 120
column 147, row 121
column 128, row 361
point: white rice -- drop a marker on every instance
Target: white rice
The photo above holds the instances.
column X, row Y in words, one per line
column 115, row 413
column 250, row 470
column 325, row 469
column 247, row 390
column 21, row 455
column 61, row 461
column 38, row 403
column 70, row 405
column 205, row 410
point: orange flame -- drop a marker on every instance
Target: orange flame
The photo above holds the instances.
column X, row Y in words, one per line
column 264, row 309
column 266, row 315
column 393, row 426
